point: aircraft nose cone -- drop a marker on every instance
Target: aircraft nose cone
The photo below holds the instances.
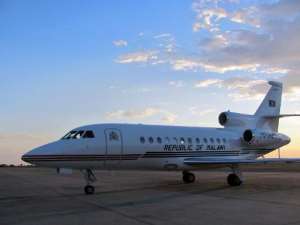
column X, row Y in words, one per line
column 31, row 155
column 25, row 157
column 288, row 139
column 35, row 154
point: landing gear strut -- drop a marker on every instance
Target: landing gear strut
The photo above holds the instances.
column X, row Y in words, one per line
column 89, row 178
column 235, row 178
column 188, row 177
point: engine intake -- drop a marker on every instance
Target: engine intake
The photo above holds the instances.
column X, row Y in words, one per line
column 248, row 135
column 223, row 118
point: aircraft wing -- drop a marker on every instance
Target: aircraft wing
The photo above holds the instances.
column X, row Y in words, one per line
column 207, row 161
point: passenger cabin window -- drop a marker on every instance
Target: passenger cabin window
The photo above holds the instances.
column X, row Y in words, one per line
column 159, row 140
column 190, row 141
column 218, row 140
column 212, row 140
column 167, row 140
column 151, row 140
column 182, row 141
column 224, row 140
column 197, row 140
column 205, row 140
column 142, row 140
column 175, row 140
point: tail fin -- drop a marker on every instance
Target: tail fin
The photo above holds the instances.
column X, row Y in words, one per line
column 268, row 112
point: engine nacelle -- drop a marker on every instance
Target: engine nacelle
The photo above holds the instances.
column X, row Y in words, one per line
column 231, row 119
column 258, row 138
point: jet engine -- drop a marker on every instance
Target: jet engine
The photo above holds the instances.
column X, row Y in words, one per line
column 258, row 138
column 231, row 119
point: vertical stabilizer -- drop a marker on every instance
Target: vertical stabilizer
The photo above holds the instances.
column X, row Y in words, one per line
column 269, row 110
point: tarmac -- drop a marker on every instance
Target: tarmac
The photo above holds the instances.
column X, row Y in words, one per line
column 40, row 196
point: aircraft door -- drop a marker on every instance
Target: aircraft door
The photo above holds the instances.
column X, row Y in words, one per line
column 114, row 147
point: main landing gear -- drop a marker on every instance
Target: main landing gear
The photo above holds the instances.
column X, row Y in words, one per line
column 235, row 178
column 89, row 178
column 188, row 177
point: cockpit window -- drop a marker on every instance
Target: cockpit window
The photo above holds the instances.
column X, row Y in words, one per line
column 75, row 134
column 69, row 135
column 89, row 134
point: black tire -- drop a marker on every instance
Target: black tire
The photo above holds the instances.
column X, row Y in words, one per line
column 188, row 178
column 89, row 189
column 234, row 180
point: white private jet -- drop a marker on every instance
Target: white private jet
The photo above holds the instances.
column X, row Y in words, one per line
column 243, row 140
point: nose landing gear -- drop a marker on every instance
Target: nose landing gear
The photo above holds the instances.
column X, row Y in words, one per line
column 89, row 178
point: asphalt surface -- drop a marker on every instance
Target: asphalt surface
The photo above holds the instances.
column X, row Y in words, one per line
column 40, row 196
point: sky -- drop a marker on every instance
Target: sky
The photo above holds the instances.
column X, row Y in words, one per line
column 68, row 63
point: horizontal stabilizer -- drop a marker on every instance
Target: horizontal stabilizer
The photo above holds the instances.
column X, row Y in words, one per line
column 214, row 161
column 281, row 116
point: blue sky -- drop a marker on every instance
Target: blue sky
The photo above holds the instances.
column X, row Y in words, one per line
column 67, row 63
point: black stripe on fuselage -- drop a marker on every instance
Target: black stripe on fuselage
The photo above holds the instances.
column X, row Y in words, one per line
column 190, row 154
column 80, row 157
column 129, row 156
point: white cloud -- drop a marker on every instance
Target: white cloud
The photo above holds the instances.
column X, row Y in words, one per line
column 169, row 118
column 197, row 26
column 120, row 43
column 208, row 15
column 208, row 83
column 269, row 47
column 176, row 83
column 215, row 42
column 166, row 42
column 138, row 57
column 133, row 114
column 200, row 112
column 140, row 114
column 246, row 16
column 186, row 64
column 241, row 88
column 163, row 35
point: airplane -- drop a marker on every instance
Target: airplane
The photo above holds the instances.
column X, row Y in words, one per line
column 243, row 139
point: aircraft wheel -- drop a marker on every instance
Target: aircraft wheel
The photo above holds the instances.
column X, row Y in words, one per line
column 234, row 180
column 188, row 177
column 89, row 189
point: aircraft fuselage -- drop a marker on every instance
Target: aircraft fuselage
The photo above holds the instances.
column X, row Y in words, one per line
column 147, row 147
